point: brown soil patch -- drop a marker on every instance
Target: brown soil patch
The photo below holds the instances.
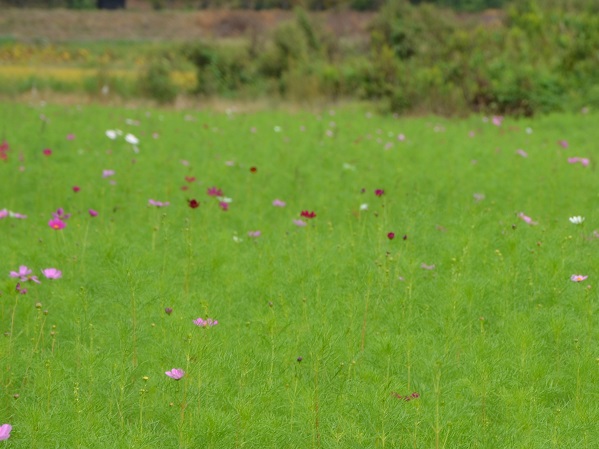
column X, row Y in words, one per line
column 61, row 25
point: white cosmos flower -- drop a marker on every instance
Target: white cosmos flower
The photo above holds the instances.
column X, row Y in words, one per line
column 130, row 138
column 111, row 134
column 364, row 206
column 576, row 219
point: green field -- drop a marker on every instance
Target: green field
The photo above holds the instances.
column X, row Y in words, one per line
column 429, row 315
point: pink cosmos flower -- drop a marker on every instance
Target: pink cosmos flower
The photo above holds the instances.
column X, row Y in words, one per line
column 563, row 143
column 224, row 205
column 497, row 120
column 93, row 213
column 521, row 153
column 7, row 213
column 152, row 202
column 52, row 273
column 107, row 173
column 70, row 136
column 300, row 223
column 208, row 322
column 578, row 277
column 427, row 267
column 254, row 234
column 24, row 274
column 19, row 289
column 583, row 160
column 526, row 219
column 5, row 431
column 175, row 373
column 279, row 203
column 214, row 191
column 47, row 152
column 57, row 223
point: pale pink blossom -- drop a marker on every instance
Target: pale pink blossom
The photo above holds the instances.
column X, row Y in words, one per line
column 52, row 273
column 578, row 277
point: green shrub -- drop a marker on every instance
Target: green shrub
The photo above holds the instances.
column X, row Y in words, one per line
column 156, row 82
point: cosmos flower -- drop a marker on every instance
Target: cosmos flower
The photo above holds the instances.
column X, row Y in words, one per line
column 379, row 192
column 193, row 203
column 578, row 277
column 130, row 138
column 93, row 213
column 52, row 273
column 5, row 431
column 522, row 153
column 24, row 274
column 47, row 152
column 391, row 235
column 57, row 223
column 175, row 373
column 576, row 219
column 526, row 218
column 107, row 173
column 208, row 322
column 152, row 202
column 307, row 214
column 300, row 223
column 279, row 203
column 214, row 191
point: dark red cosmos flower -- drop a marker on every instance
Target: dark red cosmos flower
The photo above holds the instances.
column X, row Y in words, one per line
column 391, row 236
column 307, row 214
column 253, row 169
column 190, row 179
column 193, row 203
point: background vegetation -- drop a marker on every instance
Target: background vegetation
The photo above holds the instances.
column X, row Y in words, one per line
column 528, row 58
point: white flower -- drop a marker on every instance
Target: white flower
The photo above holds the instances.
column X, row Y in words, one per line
column 130, row 138
column 111, row 134
column 224, row 199
column 576, row 219
column 364, row 206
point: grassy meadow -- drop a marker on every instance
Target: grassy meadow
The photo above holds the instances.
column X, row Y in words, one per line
column 378, row 282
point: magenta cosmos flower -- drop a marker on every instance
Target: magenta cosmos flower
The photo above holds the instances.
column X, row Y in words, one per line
column 214, row 191
column 93, row 213
column 208, row 322
column 578, row 277
column 57, row 223
column 254, row 234
column 52, row 273
column 5, row 431
column 175, row 373
column 379, row 192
